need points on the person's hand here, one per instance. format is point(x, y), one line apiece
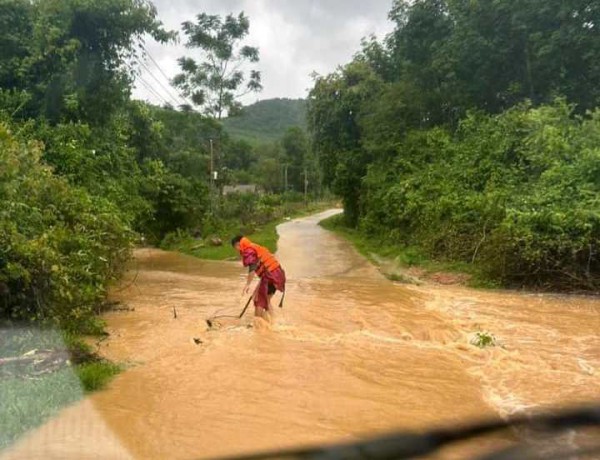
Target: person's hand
point(246, 289)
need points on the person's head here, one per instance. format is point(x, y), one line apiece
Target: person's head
point(235, 242)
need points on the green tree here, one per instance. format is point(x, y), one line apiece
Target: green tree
point(60, 246)
point(186, 141)
point(492, 55)
point(239, 155)
point(71, 55)
point(268, 170)
point(295, 149)
point(213, 83)
point(335, 112)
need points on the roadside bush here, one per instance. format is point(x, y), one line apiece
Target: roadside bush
point(60, 247)
point(97, 159)
point(238, 206)
point(176, 202)
point(249, 209)
point(516, 193)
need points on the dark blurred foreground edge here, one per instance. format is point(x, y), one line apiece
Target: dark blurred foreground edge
point(416, 445)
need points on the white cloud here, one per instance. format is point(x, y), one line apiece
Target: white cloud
point(295, 37)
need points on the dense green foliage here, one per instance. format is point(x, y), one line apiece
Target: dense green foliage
point(450, 137)
point(267, 121)
point(70, 185)
point(60, 245)
point(517, 192)
point(459, 54)
point(70, 55)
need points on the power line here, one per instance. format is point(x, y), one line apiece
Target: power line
point(165, 76)
point(156, 64)
point(167, 91)
point(152, 91)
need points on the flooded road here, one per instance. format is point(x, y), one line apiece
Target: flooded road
point(351, 355)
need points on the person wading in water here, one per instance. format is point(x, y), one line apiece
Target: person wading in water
point(261, 263)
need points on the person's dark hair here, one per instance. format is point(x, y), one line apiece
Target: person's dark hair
point(236, 239)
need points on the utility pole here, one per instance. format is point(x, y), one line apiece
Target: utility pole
point(212, 176)
point(285, 175)
point(212, 165)
point(305, 186)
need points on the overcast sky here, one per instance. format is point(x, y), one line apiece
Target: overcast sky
point(295, 37)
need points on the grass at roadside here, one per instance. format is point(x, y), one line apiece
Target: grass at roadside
point(95, 375)
point(396, 260)
point(32, 393)
point(265, 235)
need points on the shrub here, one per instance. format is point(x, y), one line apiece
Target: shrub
point(60, 246)
point(516, 193)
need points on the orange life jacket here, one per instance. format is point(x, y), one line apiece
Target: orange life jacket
point(267, 261)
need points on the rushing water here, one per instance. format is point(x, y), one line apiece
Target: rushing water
point(350, 355)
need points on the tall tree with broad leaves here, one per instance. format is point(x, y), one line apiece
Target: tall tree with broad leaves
point(217, 81)
point(336, 114)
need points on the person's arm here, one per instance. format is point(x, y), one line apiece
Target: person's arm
point(251, 276)
point(250, 260)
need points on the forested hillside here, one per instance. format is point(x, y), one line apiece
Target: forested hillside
point(267, 120)
point(471, 134)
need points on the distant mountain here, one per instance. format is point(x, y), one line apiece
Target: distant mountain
point(267, 120)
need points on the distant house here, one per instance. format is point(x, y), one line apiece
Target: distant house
point(229, 189)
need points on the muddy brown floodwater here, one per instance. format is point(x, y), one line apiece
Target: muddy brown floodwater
point(351, 355)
